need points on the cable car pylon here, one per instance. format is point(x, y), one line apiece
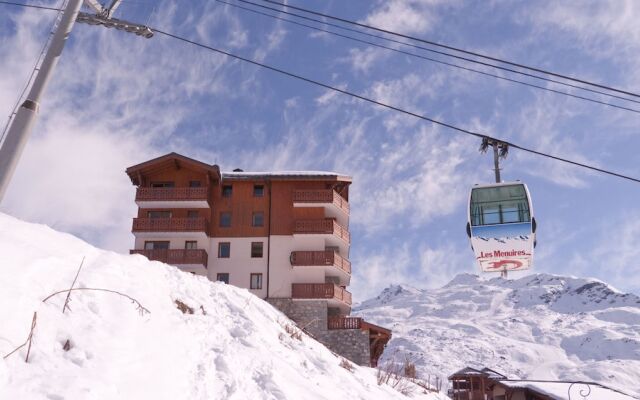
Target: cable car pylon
point(501, 226)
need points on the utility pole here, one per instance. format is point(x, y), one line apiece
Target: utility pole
point(20, 128)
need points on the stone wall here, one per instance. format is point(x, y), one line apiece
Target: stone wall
point(352, 344)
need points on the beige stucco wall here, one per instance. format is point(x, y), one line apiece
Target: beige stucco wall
point(239, 265)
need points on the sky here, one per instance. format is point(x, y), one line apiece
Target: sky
point(116, 100)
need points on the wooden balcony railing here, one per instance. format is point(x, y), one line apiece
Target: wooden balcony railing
point(172, 193)
point(321, 196)
point(320, 258)
point(326, 225)
point(169, 225)
point(344, 323)
point(320, 291)
point(176, 256)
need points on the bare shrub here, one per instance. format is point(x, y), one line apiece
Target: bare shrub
point(141, 309)
point(344, 363)
point(28, 341)
point(293, 331)
point(183, 307)
point(399, 375)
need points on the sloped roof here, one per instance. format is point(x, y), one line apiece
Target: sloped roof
point(166, 161)
point(559, 390)
point(286, 175)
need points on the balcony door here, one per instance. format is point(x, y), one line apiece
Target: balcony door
point(159, 214)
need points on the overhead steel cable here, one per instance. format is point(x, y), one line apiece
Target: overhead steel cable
point(372, 101)
point(391, 107)
point(423, 57)
point(11, 3)
point(432, 59)
point(443, 53)
point(475, 54)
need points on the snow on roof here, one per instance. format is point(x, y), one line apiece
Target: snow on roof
point(283, 175)
point(560, 390)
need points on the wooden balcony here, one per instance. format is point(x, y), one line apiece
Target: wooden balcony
point(176, 256)
point(320, 258)
point(320, 291)
point(157, 225)
point(322, 226)
point(344, 323)
point(173, 197)
point(326, 196)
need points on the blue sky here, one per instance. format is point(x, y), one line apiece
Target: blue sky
point(116, 100)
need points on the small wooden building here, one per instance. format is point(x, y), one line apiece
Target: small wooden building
point(486, 384)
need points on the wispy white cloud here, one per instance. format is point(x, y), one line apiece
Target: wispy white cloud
point(405, 16)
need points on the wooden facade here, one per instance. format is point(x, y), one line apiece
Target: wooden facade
point(191, 213)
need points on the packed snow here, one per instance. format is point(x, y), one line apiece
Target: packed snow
point(233, 346)
point(541, 326)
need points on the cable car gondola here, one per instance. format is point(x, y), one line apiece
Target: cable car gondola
point(501, 226)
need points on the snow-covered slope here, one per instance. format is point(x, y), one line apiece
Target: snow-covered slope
point(234, 346)
point(539, 327)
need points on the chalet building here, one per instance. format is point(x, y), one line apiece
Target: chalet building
point(486, 384)
point(282, 235)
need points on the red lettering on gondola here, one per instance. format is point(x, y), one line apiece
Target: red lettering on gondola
point(504, 263)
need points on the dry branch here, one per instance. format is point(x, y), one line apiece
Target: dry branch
point(28, 341)
point(139, 306)
point(66, 301)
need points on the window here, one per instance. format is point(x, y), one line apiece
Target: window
point(257, 219)
point(256, 281)
point(499, 205)
point(159, 214)
point(193, 214)
point(190, 244)
point(225, 219)
point(256, 249)
point(227, 190)
point(258, 190)
point(162, 184)
point(194, 184)
point(224, 250)
point(155, 245)
point(223, 277)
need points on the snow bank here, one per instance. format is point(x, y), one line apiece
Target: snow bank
point(234, 346)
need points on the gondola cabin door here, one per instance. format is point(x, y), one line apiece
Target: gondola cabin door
point(501, 226)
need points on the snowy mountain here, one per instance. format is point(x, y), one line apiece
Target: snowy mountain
point(227, 344)
point(539, 327)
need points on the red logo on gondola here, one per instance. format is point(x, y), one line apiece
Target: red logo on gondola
point(505, 263)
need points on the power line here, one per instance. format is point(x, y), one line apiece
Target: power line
point(433, 60)
point(388, 106)
point(443, 53)
point(344, 20)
